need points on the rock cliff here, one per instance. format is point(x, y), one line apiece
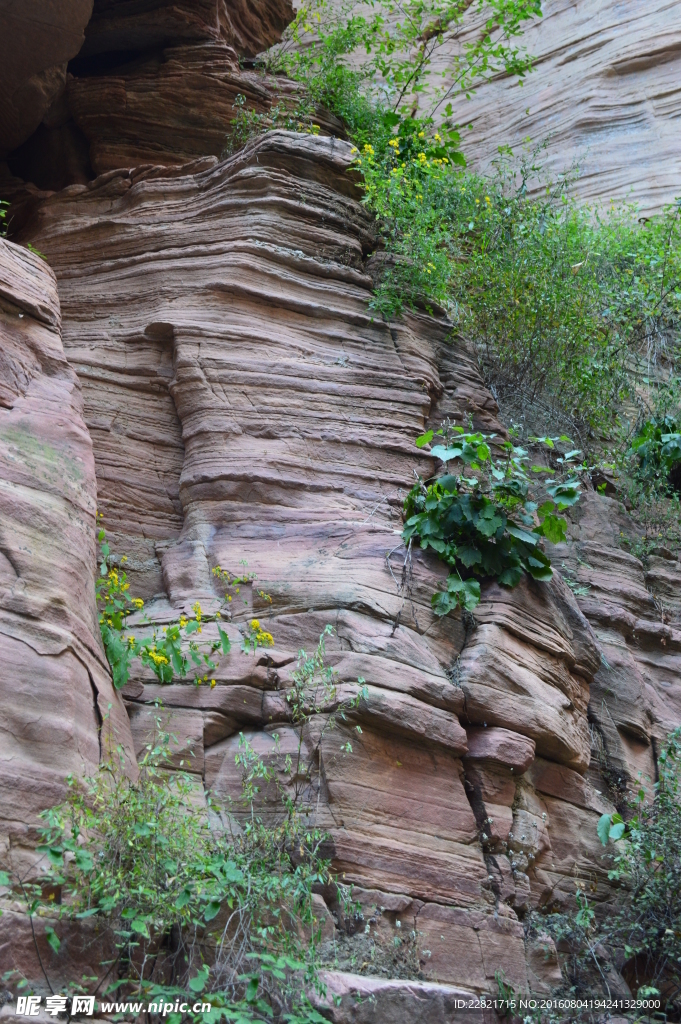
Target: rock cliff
point(58, 710)
point(201, 363)
point(605, 96)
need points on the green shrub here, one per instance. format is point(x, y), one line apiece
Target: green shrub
point(481, 521)
point(637, 930)
point(192, 898)
point(646, 921)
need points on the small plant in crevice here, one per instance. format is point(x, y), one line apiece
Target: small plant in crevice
point(295, 116)
point(178, 648)
point(481, 519)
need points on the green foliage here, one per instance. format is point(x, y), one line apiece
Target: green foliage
point(194, 898)
point(297, 115)
point(558, 299)
point(481, 520)
point(647, 920)
point(171, 651)
point(657, 446)
point(562, 301)
point(4, 209)
point(188, 905)
point(391, 46)
point(637, 930)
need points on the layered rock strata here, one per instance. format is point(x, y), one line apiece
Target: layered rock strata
point(58, 711)
point(245, 404)
point(137, 90)
point(604, 96)
point(635, 699)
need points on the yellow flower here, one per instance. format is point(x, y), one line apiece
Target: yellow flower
point(477, 201)
point(183, 622)
point(255, 624)
point(438, 137)
point(229, 598)
point(487, 199)
point(196, 608)
point(138, 602)
point(422, 135)
point(213, 683)
point(368, 149)
point(395, 144)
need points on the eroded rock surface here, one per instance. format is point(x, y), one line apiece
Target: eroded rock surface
point(39, 38)
point(58, 711)
point(245, 404)
point(605, 94)
point(242, 404)
point(635, 699)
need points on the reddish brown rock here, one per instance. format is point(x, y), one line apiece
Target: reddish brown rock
point(155, 113)
point(39, 38)
point(59, 713)
point(605, 94)
point(502, 746)
point(244, 404)
point(124, 25)
point(357, 999)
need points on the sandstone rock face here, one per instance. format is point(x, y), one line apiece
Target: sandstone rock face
point(137, 89)
point(244, 404)
point(240, 405)
point(58, 712)
point(127, 25)
point(635, 698)
point(605, 93)
point(39, 38)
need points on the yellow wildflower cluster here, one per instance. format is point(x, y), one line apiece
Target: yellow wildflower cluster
point(262, 637)
point(137, 602)
point(395, 143)
point(156, 657)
